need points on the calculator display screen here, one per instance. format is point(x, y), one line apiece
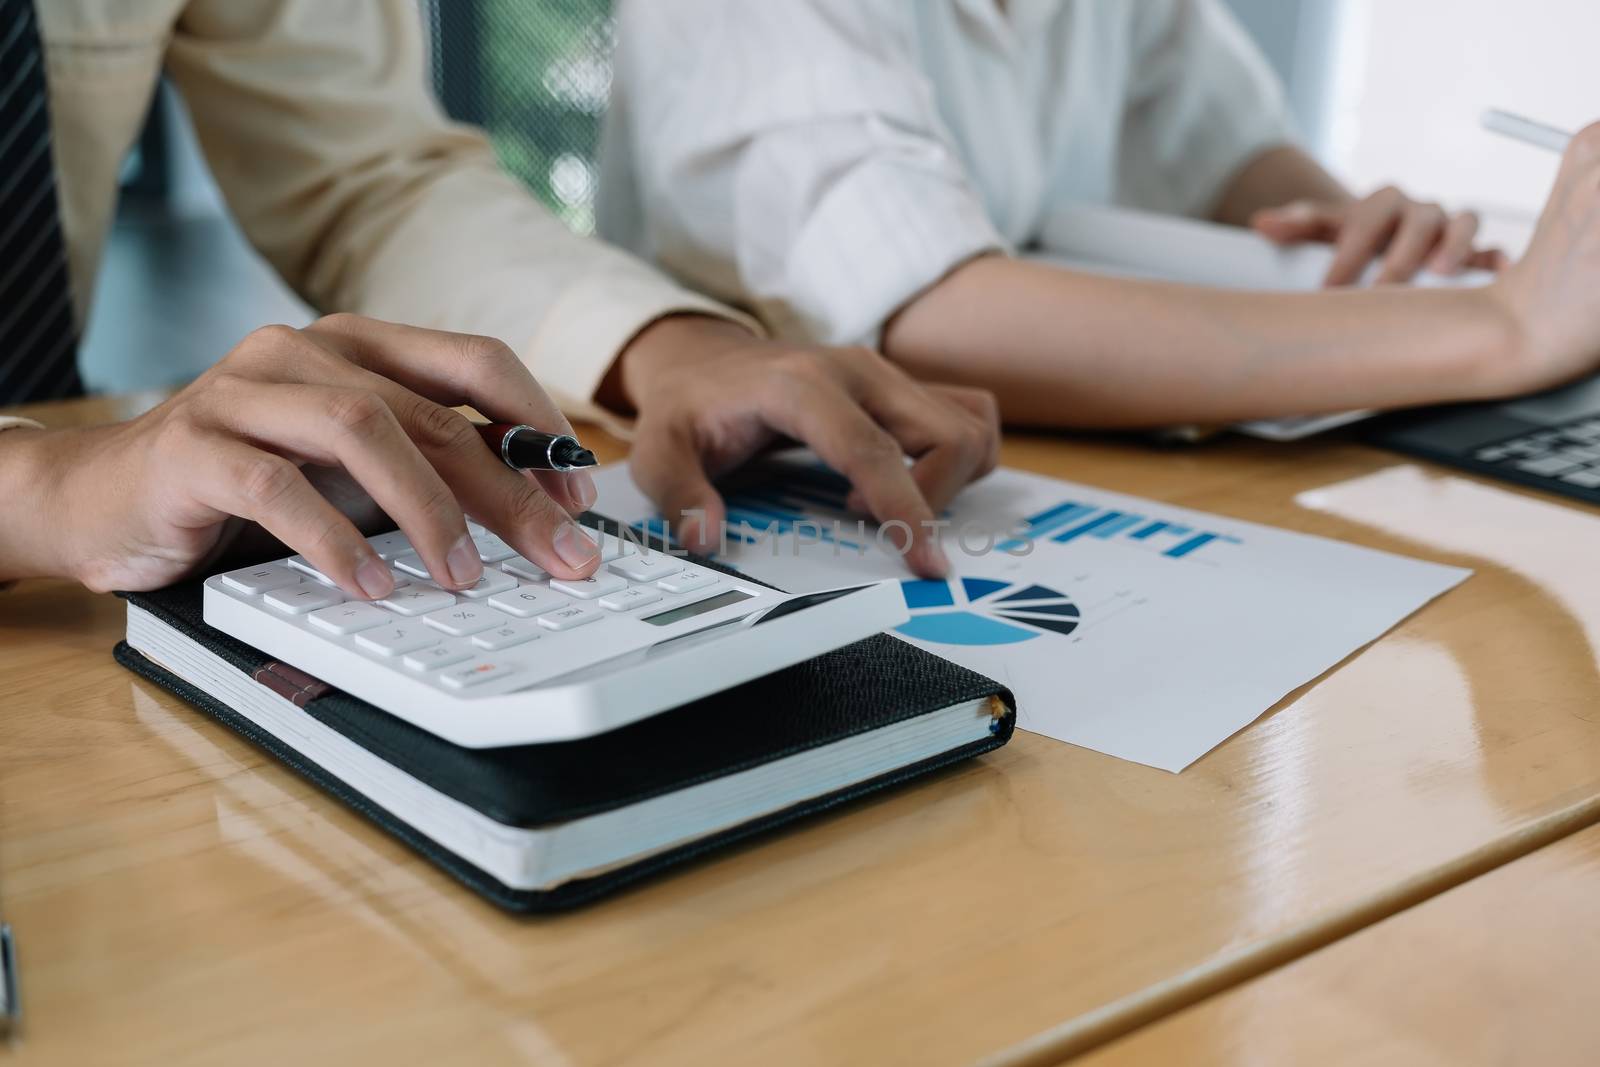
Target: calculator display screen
point(689, 611)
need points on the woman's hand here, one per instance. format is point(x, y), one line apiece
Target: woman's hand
point(1550, 295)
point(139, 504)
point(1408, 236)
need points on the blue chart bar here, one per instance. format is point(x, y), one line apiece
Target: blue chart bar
point(1056, 517)
point(1094, 524)
point(1106, 532)
point(1197, 542)
point(1156, 527)
point(756, 515)
point(1047, 520)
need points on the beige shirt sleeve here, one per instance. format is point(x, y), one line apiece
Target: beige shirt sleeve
point(316, 119)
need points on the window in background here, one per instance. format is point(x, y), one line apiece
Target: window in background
point(537, 76)
point(1412, 78)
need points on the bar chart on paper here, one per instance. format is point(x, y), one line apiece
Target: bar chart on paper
point(1128, 626)
point(1066, 522)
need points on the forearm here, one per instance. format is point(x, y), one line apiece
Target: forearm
point(1274, 178)
point(29, 546)
point(1060, 348)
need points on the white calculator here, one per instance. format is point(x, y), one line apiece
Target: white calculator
point(522, 657)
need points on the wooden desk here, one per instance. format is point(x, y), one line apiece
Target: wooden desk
point(179, 898)
point(1501, 970)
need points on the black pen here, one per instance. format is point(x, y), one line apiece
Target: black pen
point(525, 449)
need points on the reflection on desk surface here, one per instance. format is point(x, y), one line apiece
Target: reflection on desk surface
point(179, 896)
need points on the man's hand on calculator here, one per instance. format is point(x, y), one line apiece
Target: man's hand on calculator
point(142, 503)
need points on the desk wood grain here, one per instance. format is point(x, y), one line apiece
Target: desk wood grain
point(1501, 970)
point(179, 898)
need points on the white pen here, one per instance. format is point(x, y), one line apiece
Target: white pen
point(1535, 133)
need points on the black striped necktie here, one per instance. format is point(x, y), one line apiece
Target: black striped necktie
point(38, 340)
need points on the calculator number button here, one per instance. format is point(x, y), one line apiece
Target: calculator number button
point(463, 619)
point(491, 583)
point(436, 656)
point(303, 598)
point(628, 599)
point(512, 633)
point(412, 564)
point(474, 673)
point(568, 618)
point(688, 581)
point(611, 546)
point(525, 601)
point(349, 618)
point(262, 579)
point(589, 588)
point(491, 549)
point(396, 639)
point(417, 600)
point(647, 568)
point(390, 545)
point(523, 569)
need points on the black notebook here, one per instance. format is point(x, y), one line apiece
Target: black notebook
point(547, 827)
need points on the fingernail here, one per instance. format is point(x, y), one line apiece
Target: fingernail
point(583, 489)
point(463, 563)
point(574, 547)
point(937, 559)
point(374, 578)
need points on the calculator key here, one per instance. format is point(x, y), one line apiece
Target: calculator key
point(262, 579)
point(688, 581)
point(349, 618)
point(412, 564)
point(396, 639)
point(302, 598)
point(639, 567)
point(611, 546)
point(523, 569)
point(512, 633)
point(569, 617)
point(475, 673)
point(390, 545)
point(492, 582)
point(464, 619)
point(628, 599)
point(417, 600)
point(589, 588)
point(526, 601)
point(305, 566)
point(491, 549)
point(435, 656)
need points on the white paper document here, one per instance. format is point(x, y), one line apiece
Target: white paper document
point(1134, 628)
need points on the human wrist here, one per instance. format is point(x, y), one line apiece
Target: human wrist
point(1508, 360)
point(31, 534)
point(667, 345)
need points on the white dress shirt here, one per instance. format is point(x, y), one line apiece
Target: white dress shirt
point(821, 162)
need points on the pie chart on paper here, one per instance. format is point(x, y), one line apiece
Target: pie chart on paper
point(984, 611)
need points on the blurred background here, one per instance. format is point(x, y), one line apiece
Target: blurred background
point(1383, 92)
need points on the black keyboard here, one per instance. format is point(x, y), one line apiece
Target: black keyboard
point(1567, 455)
